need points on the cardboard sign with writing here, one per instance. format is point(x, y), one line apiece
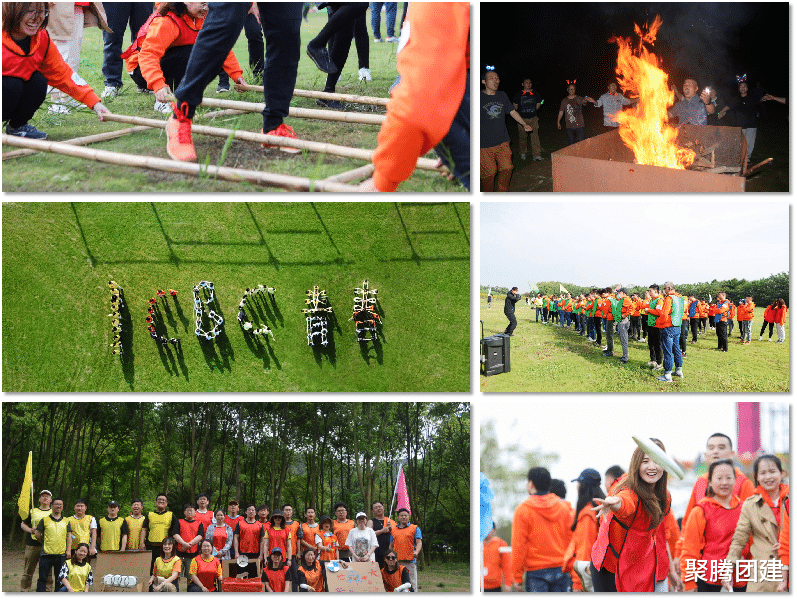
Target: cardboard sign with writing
point(357, 577)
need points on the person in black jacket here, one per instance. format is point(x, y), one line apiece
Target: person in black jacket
point(509, 309)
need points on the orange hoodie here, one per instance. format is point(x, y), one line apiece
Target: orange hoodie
point(584, 537)
point(45, 58)
point(498, 562)
point(663, 314)
point(745, 311)
point(540, 534)
point(434, 67)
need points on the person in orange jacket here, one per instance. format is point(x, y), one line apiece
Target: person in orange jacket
point(783, 550)
point(780, 320)
point(540, 535)
point(712, 310)
point(158, 61)
point(31, 62)
point(745, 318)
point(703, 308)
point(636, 331)
point(643, 314)
point(497, 563)
point(622, 307)
point(427, 112)
point(585, 530)
point(708, 532)
point(721, 309)
point(768, 320)
point(731, 316)
point(684, 327)
point(668, 321)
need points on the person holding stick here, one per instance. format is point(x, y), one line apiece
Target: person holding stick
point(31, 62)
point(281, 22)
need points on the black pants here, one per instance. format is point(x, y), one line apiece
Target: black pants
point(173, 66)
point(598, 329)
point(703, 586)
point(644, 326)
point(119, 15)
point(363, 42)
point(254, 43)
point(46, 563)
point(280, 21)
point(495, 589)
point(654, 344)
point(339, 32)
point(763, 327)
point(694, 324)
point(602, 580)
point(722, 336)
point(512, 323)
point(21, 99)
point(635, 328)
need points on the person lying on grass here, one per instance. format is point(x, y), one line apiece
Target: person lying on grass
point(31, 62)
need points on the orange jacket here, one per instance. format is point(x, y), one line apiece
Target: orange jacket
point(581, 543)
point(723, 311)
point(498, 562)
point(423, 105)
point(163, 33)
point(45, 58)
point(663, 314)
point(540, 534)
point(780, 315)
point(702, 307)
point(783, 536)
point(731, 311)
point(745, 311)
point(637, 304)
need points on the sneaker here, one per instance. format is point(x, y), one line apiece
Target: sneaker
point(769, 340)
point(320, 56)
point(538, 158)
point(623, 360)
point(760, 338)
point(283, 131)
point(27, 131)
point(522, 157)
point(179, 144)
point(163, 107)
point(581, 567)
point(378, 40)
point(392, 39)
point(608, 354)
point(605, 348)
point(666, 377)
point(643, 340)
point(223, 88)
point(336, 104)
point(679, 372)
point(364, 74)
point(110, 91)
point(658, 367)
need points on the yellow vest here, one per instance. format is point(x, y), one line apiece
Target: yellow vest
point(165, 568)
point(159, 525)
point(133, 531)
point(110, 533)
point(81, 530)
point(37, 515)
point(78, 574)
point(54, 538)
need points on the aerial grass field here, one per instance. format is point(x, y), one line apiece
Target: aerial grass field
point(547, 358)
point(58, 258)
point(46, 172)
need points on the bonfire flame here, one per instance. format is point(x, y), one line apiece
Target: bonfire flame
point(644, 129)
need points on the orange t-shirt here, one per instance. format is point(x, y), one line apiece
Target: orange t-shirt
point(498, 562)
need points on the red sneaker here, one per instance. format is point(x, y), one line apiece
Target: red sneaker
point(179, 144)
point(283, 131)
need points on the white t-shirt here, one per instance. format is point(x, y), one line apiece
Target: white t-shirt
point(360, 541)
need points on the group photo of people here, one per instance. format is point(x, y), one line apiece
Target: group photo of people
point(693, 510)
point(117, 509)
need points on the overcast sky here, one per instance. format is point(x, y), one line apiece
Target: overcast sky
point(631, 242)
point(597, 433)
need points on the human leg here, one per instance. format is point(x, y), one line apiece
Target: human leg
point(722, 337)
point(454, 148)
point(781, 332)
point(361, 42)
point(523, 144)
point(281, 23)
point(609, 337)
point(684, 335)
point(571, 135)
point(254, 44)
point(512, 323)
point(597, 324)
point(376, 19)
point(21, 99)
point(173, 65)
point(117, 15)
point(488, 167)
point(505, 166)
point(750, 135)
point(536, 148)
point(623, 329)
point(391, 8)
point(413, 572)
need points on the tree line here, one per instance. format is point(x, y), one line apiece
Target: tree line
point(764, 291)
point(307, 454)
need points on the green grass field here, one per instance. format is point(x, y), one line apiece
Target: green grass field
point(545, 358)
point(58, 258)
point(49, 172)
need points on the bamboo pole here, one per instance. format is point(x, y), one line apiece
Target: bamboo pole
point(82, 141)
point(363, 172)
point(228, 112)
point(302, 113)
point(173, 166)
point(427, 164)
point(323, 95)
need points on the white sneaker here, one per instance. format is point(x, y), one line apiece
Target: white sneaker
point(163, 107)
point(581, 567)
point(377, 40)
point(522, 157)
point(58, 109)
point(679, 373)
point(364, 74)
point(110, 92)
point(392, 38)
point(760, 338)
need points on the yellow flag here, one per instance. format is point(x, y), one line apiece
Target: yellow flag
point(562, 289)
point(27, 489)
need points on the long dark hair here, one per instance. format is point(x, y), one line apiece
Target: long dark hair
point(178, 8)
point(653, 497)
point(585, 495)
point(73, 560)
point(174, 548)
point(726, 461)
point(304, 562)
point(13, 12)
point(770, 457)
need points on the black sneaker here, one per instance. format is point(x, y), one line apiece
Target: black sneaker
point(27, 131)
point(330, 104)
point(223, 88)
point(320, 56)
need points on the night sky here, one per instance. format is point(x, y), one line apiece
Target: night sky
point(712, 42)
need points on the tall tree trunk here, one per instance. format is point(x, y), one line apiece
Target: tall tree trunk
point(238, 457)
point(139, 444)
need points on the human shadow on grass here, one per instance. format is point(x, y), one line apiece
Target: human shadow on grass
point(222, 341)
point(209, 352)
point(89, 255)
point(126, 336)
point(169, 314)
point(367, 347)
point(264, 352)
point(181, 315)
point(320, 352)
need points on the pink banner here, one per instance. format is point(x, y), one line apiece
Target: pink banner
point(748, 430)
point(403, 496)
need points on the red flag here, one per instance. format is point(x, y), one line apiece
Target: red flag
point(403, 496)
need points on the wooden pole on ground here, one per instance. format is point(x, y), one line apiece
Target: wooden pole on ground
point(228, 112)
point(360, 173)
point(354, 98)
point(82, 141)
point(173, 166)
point(302, 113)
point(427, 164)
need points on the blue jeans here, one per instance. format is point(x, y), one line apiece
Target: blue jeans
point(119, 14)
point(548, 580)
point(391, 8)
point(454, 148)
point(538, 312)
point(671, 348)
point(575, 134)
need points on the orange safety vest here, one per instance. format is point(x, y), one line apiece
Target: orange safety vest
point(187, 35)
